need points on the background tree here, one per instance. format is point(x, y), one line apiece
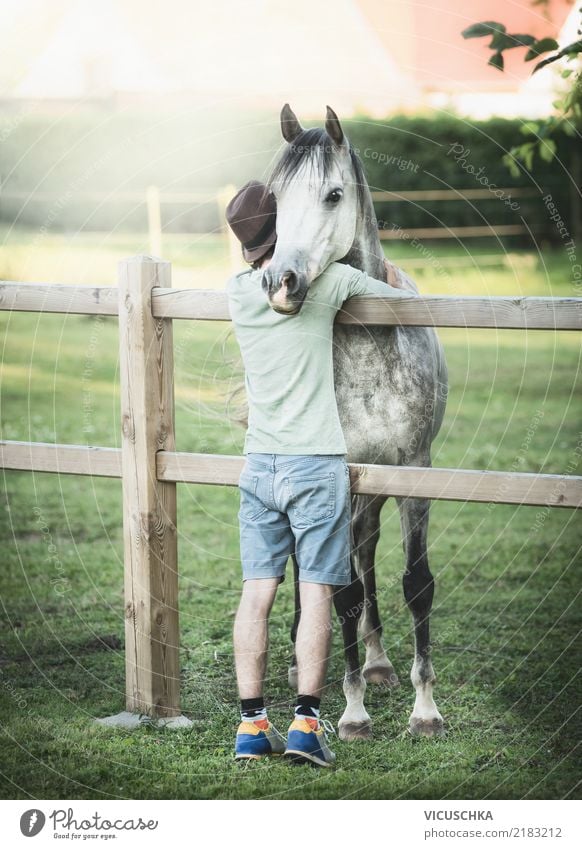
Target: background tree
point(541, 135)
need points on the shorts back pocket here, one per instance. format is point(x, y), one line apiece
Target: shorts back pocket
point(251, 506)
point(311, 498)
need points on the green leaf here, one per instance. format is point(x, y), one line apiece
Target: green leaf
point(496, 61)
point(523, 40)
point(541, 46)
point(504, 41)
point(529, 127)
point(568, 129)
point(575, 47)
point(509, 160)
point(548, 150)
point(571, 50)
point(499, 41)
point(484, 28)
point(526, 152)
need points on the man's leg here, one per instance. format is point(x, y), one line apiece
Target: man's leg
point(251, 635)
point(313, 637)
point(266, 541)
point(319, 510)
point(306, 741)
point(256, 737)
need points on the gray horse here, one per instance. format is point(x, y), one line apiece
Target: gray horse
point(391, 387)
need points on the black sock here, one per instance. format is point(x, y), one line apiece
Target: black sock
point(251, 709)
point(307, 706)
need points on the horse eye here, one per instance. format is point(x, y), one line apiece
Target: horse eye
point(334, 197)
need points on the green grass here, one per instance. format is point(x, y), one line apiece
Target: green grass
point(506, 616)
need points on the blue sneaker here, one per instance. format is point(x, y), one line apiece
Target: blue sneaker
point(255, 740)
point(307, 742)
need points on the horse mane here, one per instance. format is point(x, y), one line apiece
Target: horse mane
point(317, 148)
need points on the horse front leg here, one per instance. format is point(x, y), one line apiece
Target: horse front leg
point(292, 671)
point(355, 723)
point(418, 585)
point(377, 668)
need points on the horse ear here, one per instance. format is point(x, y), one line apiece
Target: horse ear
point(333, 128)
point(290, 126)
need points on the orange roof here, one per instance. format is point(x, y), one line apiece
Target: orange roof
point(425, 38)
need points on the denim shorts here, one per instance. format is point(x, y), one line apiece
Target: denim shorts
point(295, 504)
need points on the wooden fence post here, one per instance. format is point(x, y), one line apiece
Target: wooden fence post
point(149, 506)
point(154, 220)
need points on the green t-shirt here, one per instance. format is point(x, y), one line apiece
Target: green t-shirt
point(288, 361)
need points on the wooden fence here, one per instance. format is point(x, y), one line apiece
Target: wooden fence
point(150, 467)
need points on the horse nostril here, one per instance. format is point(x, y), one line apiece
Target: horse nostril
point(289, 279)
point(266, 283)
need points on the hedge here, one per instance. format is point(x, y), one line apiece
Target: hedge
point(108, 151)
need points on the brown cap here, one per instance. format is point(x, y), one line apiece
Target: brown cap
point(252, 217)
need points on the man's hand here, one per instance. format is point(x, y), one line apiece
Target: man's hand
point(393, 275)
point(396, 278)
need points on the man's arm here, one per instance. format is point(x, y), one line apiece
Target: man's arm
point(361, 283)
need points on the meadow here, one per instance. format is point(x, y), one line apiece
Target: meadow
point(506, 619)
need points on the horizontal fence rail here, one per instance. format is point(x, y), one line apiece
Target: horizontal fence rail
point(511, 313)
point(371, 479)
point(367, 479)
point(448, 194)
point(418, 310)
point(64, 459)
point(476, 231)
point(59, 298)
point(208, 197)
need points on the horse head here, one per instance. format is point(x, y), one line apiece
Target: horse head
point(317, 182)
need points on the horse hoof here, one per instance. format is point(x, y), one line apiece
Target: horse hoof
point(426, 727)
point(349, 731)
point(383, 675)
point(292, 677)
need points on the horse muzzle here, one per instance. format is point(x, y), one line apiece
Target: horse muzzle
point(285, 290)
